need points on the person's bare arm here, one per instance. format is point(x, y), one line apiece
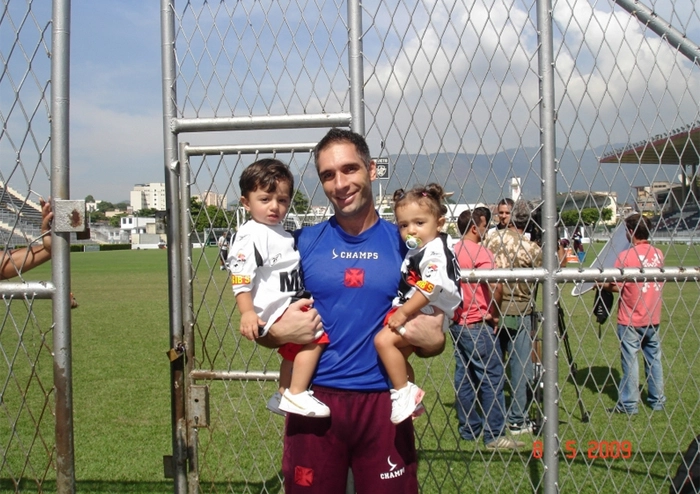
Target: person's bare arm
point(22, 260)
point(425, 333)
point(249, 319)
point(610, 287)
point(494, 314)
point(561, 255)
point(412, 306)
point(297, 325)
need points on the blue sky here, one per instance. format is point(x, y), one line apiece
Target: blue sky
point(116, 104)
point(428, 81)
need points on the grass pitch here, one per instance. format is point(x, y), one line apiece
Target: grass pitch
point(122, 394)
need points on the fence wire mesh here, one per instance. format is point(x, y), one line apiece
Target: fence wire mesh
point(451, 95)
point(27, 445)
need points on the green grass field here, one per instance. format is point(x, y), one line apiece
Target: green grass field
point(122, 394)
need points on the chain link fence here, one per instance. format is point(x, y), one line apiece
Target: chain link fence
point(463, 94)
point(452, 92)
point(36, 441)
point(26, 369)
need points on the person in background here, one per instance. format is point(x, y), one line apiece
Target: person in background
point(222, 243)
point(638, 319)
point(479, 373)
point(512, 250)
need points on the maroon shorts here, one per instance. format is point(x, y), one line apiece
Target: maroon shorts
point(357, 435)
point(289, 351)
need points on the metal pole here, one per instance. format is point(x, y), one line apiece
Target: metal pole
point(357, 103)
point(188, 319)
point(550, 340)
point(177, 392)
point(663, 28)
point(306, 121)
point(60, 247)
point(356, 71)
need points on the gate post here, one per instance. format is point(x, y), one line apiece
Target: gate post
point(550, 342)
point(177, 381)
point(60, 266)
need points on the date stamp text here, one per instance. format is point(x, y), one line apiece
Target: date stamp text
point(593, 450)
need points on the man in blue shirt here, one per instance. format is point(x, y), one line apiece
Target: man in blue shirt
point(351, 265)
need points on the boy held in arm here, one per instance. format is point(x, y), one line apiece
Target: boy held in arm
point(265, 274)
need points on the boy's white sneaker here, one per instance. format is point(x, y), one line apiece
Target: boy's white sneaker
point(304, 404)
point(273, 404)
point(404, 402)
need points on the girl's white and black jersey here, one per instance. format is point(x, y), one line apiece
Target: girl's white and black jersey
point(433, 270)
point(263, 260)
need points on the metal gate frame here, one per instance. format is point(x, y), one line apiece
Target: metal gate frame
point(176, 160)
point(176, 157)
point(58, 288)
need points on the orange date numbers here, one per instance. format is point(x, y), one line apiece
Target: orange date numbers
point(595, 450)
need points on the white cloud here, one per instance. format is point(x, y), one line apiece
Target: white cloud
point(111, 150)
point(472, 86)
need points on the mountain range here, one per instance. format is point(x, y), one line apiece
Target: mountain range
point(483, 178)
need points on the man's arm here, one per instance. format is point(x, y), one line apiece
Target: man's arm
point(425, 333)
point(299, 324)
point(494, 308)
point(610, 287)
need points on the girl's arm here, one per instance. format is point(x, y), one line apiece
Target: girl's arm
point(404, 312)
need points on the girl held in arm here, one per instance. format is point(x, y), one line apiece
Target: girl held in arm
point(429, 278)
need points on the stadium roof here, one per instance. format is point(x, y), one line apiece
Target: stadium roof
point(678, 147)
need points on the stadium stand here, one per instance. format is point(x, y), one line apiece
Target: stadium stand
point(683, 221)
point(20, 218)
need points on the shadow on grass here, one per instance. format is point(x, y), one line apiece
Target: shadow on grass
point(121, 486)
point(599, 380)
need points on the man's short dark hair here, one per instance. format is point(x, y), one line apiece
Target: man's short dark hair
point(506, 201)
point(336, 135)
point(639, 226)
point(467, 218)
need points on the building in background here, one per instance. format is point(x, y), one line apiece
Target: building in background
point(148, 196)
point(210, 198)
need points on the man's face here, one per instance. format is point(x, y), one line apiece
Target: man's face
point(346, 180)
point(503, 215)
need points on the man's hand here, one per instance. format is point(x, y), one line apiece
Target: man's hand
point(492, 321)
point(299, 324)
point(425, 333)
